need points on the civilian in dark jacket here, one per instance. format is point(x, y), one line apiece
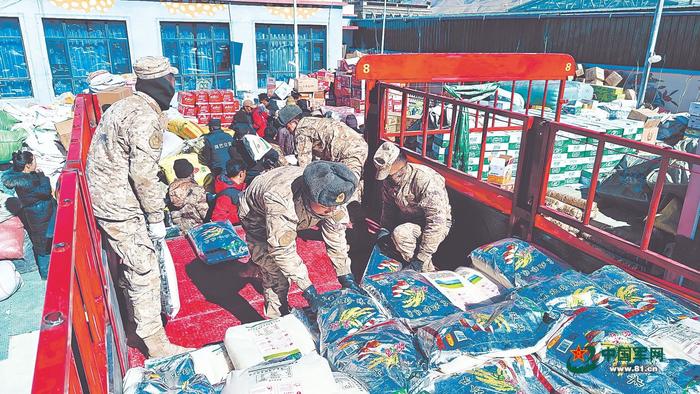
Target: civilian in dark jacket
point(217, 143)
point(244, 115)
point(239, 153)
point(228, 188)
point(37, 205)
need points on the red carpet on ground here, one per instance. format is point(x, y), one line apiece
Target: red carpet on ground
point(214, 298)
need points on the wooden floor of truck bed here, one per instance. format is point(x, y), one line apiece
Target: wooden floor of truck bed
point(217, 297)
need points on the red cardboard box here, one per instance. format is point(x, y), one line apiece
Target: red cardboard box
point(202, 96)
point(229, 108)
point(226, 119)
point(216, 108)
point(358, 105)
point(186, 98)
point(203, 109)
point(187, 110)
point(203, 118)
point(217, 116)
point(216, 97)
point(228, 96)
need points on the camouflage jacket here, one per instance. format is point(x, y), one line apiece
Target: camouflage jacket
point(331, 140)
point(122, 164)
point(272, 209)
point(419, 197)
point(188, 201)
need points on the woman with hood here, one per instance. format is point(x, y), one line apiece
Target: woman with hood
point(37, 206)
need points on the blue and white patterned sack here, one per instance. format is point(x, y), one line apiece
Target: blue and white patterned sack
point(379, 263)
point(407, 295)
point(506, 375)
point(174, 375)
point(648, 309)
point(595, 344)
point(516, 327)
point(345, 312)
point(383, 357)
point(565, 292)
point(515, 263)
point(216, 242)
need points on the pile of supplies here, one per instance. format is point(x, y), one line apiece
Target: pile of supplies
point(203, 105)
point(518, 320)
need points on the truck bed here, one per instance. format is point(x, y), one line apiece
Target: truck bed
point(216, 297)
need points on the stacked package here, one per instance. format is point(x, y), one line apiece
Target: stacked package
point(312, 90)
point(349, 91)
point(205, 105)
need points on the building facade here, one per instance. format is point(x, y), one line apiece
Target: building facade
point(49, 47)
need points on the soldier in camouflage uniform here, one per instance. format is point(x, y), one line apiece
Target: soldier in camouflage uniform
point(127, 196)
point(416, 211)
point(283, 201)
point(325, 138)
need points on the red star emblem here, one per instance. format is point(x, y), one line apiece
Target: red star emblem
point(579, 353)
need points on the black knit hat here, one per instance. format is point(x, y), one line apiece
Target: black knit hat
point(183, 168)
point(215, 124)
point(329, 184)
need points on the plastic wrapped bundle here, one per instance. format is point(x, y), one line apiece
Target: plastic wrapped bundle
point(216, 242)
point(383, 357)
point(516, 327)
point(515, 263)
point(309, 375)
point(344, 313)
point(597, 346)
point(379, 263)
point(567, 291)
point(407, 295)
point(280, 339)
point(650, 309)
point(172, 375)
point(680, 340)
point(507, 375)
point(348, 385)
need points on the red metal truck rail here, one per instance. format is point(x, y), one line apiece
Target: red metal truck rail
point(80, 343)
point(411, 77)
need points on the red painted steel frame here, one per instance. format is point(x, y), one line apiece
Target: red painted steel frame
point(381, 70)
point(77, 313)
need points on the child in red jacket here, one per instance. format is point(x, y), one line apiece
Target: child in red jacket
point(228, 188)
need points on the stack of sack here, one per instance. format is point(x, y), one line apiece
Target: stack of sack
point(518, 320)
point(103, 80)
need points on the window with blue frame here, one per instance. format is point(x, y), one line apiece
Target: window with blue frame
point(78, 47)
point(201, 52)
point(275, 51)
point(14, 73)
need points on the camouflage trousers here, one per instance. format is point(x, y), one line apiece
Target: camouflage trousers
point(140, 271)
point(406, 238)
point(276, 277)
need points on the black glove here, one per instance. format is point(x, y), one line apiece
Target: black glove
point(415, 265)
point(311, 295)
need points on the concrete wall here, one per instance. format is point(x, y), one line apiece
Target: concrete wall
point(143, 26)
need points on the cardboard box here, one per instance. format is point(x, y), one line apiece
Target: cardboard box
point(229, 96)
point(203, 118)
point(187, 110)
point(283, 91)
point(651, 118)
point(613, 79)
point(202, 97)
point(216, 96)
point(500, 170)
point(595, 74)
point(579, 70)
point(186, 98)
point(630, 94)
point(64, 130)
point(649, 134)
point(306, 85)
point(606, 94)
point(112, 96)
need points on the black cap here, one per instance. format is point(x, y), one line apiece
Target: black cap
point(214, 124)
point(329, 184)
point(183, 168)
